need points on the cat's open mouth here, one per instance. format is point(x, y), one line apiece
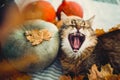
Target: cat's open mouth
point(76, 40)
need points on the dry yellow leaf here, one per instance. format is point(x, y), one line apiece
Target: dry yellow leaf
point(17, 76)
point(80, 77)
point(107, 70)
point(46, 34)
point(99, 32)
point(64, 77)
point(94, 73)
point(106, 73)
point(38, 36)
point(114, 28)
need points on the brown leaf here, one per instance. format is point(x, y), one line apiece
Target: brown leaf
point(94, 73)
point(99, 32)
point(16, 76)
point(34, 36)
point(80, 77)
point(106, 73)
point(114, 28)
point(20, 76)
point(37, 36)
point(113, 77)
point(46, 34)
point(107, 70)
point(64, 77)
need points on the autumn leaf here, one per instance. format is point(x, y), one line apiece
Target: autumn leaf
point(114, 28)
point(46, 34)
point(94, 73)
point(20, 76)
point(64, 77)
point(38, 36)
point(106, 73)
point(17, 76)
point(107, 70)
point(80, 77)
point(99, 32)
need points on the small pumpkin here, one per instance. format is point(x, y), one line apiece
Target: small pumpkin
point(34, 37)
point(70, 8)
point(39, 10)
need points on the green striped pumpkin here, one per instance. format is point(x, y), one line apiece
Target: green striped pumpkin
point(16, 45)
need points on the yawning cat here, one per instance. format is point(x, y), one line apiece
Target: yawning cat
point(80, 48)
point(78, 41)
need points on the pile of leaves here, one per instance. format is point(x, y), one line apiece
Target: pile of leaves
point(100, 32)
point(106, 73)
point(17, 76)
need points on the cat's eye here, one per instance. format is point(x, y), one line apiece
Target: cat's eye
point(73, 22)
point(83, 24)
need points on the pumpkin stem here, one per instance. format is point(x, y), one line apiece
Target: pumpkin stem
point(63, 0)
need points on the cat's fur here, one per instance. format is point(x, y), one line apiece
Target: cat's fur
point(72, 62)
point(92, 51)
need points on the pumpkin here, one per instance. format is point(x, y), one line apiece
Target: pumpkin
point(70, 8)
point(39, 10)
point(37, 39)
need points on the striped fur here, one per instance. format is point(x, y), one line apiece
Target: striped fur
point(72, 62)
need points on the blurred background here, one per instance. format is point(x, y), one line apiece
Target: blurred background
point(106, 11)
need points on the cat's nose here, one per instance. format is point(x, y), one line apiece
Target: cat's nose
point(78, 27)
point(78, 31)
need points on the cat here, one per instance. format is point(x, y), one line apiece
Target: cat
point(81, 48)
point(78, 41)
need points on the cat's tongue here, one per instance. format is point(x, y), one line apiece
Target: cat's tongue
point(76, 43)
point(76, 40)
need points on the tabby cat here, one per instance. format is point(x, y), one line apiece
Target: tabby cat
point(80, 48)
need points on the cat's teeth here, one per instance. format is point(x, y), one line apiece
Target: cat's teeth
point(75, 50)
point(74, 34)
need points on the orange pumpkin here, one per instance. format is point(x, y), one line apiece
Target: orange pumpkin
point(70, 8)
point(40, 10)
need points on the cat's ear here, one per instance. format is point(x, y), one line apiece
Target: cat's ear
point(91, 19)
point(63, 16)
